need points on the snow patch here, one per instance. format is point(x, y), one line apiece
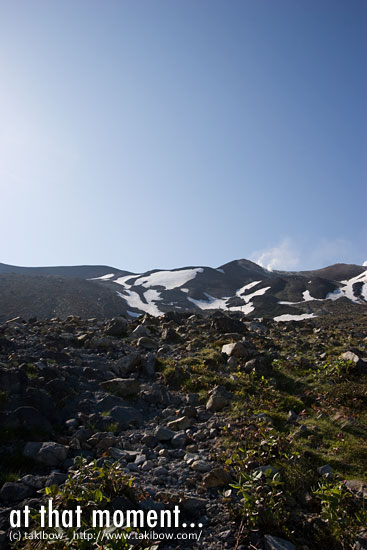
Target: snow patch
point(123, 280)
point(288, 317)
point(249, 297)
point(220, 303)
point(103, 278)
point(347, 289)
point(306, 298)
point(169, 279)
point(210, 303)
point(243, 289)
point(134, 300)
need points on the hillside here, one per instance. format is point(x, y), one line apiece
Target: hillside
point(255, 430)
point(240, 286)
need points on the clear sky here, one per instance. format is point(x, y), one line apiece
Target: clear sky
point(156, 134)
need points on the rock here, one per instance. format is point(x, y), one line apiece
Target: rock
point(117, 327)
point(189, 458)
point(122, 387)
point(216, 403)
point(192, 399)
point(179, 424)
point(149, 440)
point(257, 326)
point(148, 363)
point(218, 477)
point(50, 453)
point(292, 417)
point(103, 440)
point(350, 356)
point(35, 482)
point(140, 459)
point(193, 505)
point(56, 478)
point(122, 454)
point(170, 336)
point(100, 343)
point(224, 324)
point(200, 466)
point(146, 343)
point(325, 471)
point(140, 331)
point(164, 453)
point(219, 398)
point(72, 423)
point(160, 471)
point(163, 434)
point(189, 411)
point(126, 365)
point(157, 394)
point(126, 416)
point(12, 492)
point(357, 487)
point(257, 365)
point(178, 441)
point(232, 362)
point(147, 465)
point(276, 543)
point(235, 350)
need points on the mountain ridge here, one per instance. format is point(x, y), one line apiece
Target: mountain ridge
point(239, 287)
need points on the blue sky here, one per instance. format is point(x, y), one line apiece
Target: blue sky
point(158, 134)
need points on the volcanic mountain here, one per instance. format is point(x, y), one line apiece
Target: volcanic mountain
point(240, 287)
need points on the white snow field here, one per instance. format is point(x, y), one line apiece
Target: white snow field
point(169, 279)
point(222, 303)
point(103, 278)
point(151, 296)
point(347, 289)
point(146, 301)
point(344, 291)
point(288, 317)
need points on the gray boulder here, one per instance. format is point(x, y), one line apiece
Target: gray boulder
point(163, 434)
point(13, 492)
point(126, 416)
point(146, 343)
point(126, 365)
point(219, 398)
point(179, 424)
point(117, 327)
point(235, 350)
point(50, 453)
point(218, 477)
point(122, 387)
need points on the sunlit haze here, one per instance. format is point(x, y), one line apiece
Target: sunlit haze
point(162, 134)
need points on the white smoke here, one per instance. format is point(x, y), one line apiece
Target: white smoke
point(283, 256)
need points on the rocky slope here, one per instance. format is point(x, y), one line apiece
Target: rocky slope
point(239, 286)
point(189, 406)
